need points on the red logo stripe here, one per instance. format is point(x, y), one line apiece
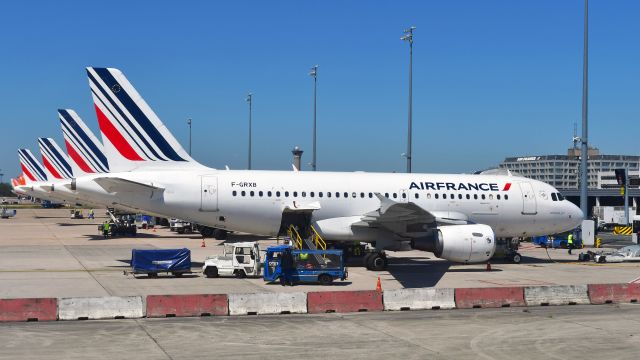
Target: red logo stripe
point(26, 172)
point(52, 170)
point(115, 137)
point(77, 158)
point(507, 186)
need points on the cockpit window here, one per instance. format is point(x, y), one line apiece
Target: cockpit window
point(554, 197)
point(560, 197)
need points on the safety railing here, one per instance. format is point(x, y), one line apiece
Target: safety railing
point(294, 235)
point(317, 239)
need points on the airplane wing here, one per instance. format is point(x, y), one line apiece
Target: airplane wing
point(115, 184)
point(408, 219)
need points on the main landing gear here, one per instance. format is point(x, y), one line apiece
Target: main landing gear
point(376, 261)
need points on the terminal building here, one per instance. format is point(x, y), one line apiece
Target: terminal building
point(563, 172)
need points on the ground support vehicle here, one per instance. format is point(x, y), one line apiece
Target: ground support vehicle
point(626, 254)
point(76, 214)
point(556, 242)
point(291, 266)
point(7, 213)
point(238, 259)
point(153, 262)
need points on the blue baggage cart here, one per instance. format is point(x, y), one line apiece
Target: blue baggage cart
point(153, 262)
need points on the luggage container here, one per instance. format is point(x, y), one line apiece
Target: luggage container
point(152, 262)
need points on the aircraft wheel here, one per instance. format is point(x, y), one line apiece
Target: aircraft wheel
point(516, 258)
point(377, 262)
point(365, 260)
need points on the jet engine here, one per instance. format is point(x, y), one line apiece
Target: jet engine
point(459, 243)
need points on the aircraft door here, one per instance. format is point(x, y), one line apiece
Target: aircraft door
point(528, 199)
point(209, 193)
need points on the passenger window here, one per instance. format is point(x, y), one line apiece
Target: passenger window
point(436, 195)
point(260, 193)
point(498, 196)
point(404, 195)
point(346, 194)
point(483, 197)
point(269, 193)
point(361, 194)
point(395, 196)
point(320, 194)
point(295, 194)
point(416, 195)
point(234, 193)
point(506, 197)
point(304, 194)
point(475, 196)
point(386, 195)
point(286, 194)
point(277, 193)
point(328, 193)
point(312, 194)
point(243, 193)
point(468, 196)
point(453, 196)
point(353, 194)
point(429, 196)
point(337, 194)
point(460, 196)
point(444, 196)
point(553, 197)
point(490, 196)
point(252, 193)
point(370, 195)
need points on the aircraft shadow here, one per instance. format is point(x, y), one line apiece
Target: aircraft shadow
point(417, 273)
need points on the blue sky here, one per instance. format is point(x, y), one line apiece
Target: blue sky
point(491, 78)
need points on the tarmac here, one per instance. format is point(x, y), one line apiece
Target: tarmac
point(43, 253)
point(565, 332)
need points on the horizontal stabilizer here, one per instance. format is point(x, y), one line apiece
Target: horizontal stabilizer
point(119, 185)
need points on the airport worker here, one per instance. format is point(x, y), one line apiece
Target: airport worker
point(570, 242)
point(105, 229)
point(91, 216)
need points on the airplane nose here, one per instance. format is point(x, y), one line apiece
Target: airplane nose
point(575, 214)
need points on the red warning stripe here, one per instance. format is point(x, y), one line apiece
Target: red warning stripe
point(115, 137)
point(26, 172)
point(507, 186)
point(77, 158)
point(52, 170)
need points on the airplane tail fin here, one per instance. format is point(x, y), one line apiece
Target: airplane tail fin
point(85, 151)
point(54, 159)
point(133, 135)
point(31, 167)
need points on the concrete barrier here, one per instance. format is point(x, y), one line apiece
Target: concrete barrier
point(187, 305)
point(35, 309)
point(344, 301)
point(109, 307)
point(556, 295)
point(418, 299)
point(267, 303)
point(489, 297)
point(614, 293)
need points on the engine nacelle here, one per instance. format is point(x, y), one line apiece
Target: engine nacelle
point(459, 243)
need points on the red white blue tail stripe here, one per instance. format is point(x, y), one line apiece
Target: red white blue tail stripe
point(83, 147)
point(54, 159)
point(128, 122)
point(31, 167)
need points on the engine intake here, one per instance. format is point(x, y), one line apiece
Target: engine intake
point(459, 243)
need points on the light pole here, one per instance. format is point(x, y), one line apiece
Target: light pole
point(249, 99)
point(314, 74)
point(189, 123)
point(408, 36)
point(584, 182)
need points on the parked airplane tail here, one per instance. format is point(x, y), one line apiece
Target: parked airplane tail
point(31, 167)
point(133, 135)
point(85, 151)
point(55, 161)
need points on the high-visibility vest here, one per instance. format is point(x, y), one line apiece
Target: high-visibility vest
point(570, 239)
point(304, 256)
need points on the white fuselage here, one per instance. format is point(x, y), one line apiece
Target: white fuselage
point(253, 201)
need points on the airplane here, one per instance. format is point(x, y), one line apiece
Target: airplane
point(34, 176)
point(457, 217)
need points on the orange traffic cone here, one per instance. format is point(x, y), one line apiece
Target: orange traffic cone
point(488, 266)
point(203, 244)
point(379, 285)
